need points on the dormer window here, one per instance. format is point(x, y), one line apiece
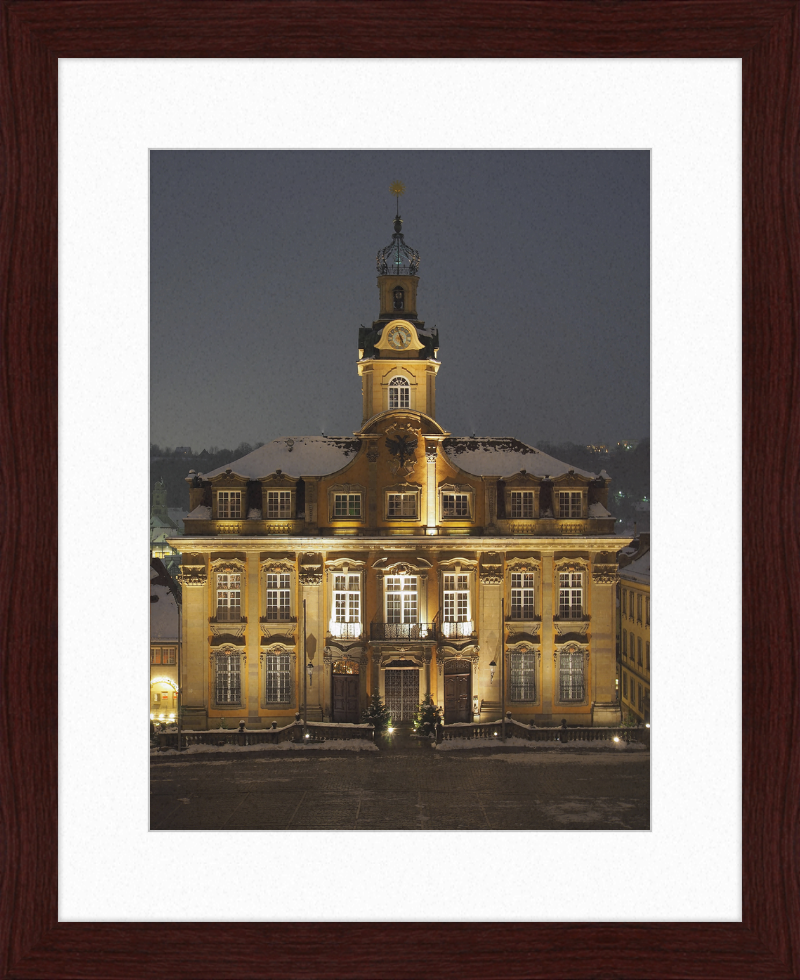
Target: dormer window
point(570, 503)
point(398, 298)
point(229, 503)
point(399, 393)
point(279, 504)
point(521, 502)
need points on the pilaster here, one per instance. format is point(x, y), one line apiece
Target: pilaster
point(252, 634)
point(548, 646)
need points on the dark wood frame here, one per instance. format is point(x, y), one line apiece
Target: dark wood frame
point(765, 36)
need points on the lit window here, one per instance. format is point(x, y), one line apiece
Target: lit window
point(155, 655)
point(278, 605)
point(278, 678)
point(569, 503)
point(347, 505)
point(229, 597)
point(401, 505)
point(168, 655)
point(399, 393)
point(228, 678)
point(521, 503)
point(279, 504)
point(570, 595)
point(456, 621)
point(522, 595)
point(571, 675)
point(229, 503)
point(156, 697)
point(346, 602)
point(523, 675)
point(455, 505)
point(401, 599)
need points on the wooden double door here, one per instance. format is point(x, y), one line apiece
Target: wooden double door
point(402, 693)
point(345, 698)
point(457, 691)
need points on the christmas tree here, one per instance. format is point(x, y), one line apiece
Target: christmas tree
point(427, 717)
point(377, 714)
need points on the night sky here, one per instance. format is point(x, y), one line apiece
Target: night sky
point(534, 267)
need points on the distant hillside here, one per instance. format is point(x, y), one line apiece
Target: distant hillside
point(174, 469)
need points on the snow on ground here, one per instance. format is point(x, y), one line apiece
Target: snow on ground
point(522, 743)
point(345, 745)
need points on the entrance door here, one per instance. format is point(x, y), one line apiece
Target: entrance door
point(457, 692)
point(402, 693)
point(345, 691)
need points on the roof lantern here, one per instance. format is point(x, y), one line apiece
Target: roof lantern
point(398, 259)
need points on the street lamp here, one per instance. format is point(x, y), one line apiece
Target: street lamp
point(310, 669)
point(492, 666)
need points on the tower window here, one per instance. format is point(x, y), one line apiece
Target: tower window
point(399, 393)
point(399, 299)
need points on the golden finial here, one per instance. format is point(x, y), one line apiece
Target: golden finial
point(397, 187)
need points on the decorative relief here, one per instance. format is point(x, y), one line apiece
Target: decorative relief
point(234, 565)
point(605, 574)
point(571, 528)
point(310, 570)
point(401, 441)
point(570, 564)
point(523, 565)
point(228, 651)
point(516, 626)
point(229, 629)
point(491, 574)
point(476, 662)
point(273, 566)
point(192, 575)
point(373, 455)
point(226, 528)
point(431, 452)
point(567, 626)
point(285, 629)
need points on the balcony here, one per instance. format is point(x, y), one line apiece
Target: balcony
point(228, 614)
point(454, 630)
point(345, 631)
point(402, 631)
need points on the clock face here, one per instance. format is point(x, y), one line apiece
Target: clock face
point(399, 337)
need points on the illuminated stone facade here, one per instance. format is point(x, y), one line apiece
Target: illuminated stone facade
point(419, 558)
point(634, 628)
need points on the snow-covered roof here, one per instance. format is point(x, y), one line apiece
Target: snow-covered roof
point(504, 456)
point(163, 612)
point(295, 456)
point(598, 510)
point(638, 570)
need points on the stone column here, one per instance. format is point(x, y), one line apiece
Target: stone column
point(430, 477)
point(489, 628)
point(194, 642)
point(603, 668)
point(426, 672)
point(252, 577)
point(549, 675)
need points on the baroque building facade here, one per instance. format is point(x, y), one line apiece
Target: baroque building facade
point(634, 627)
point(400, 560)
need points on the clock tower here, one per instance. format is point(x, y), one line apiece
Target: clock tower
point(397, 354)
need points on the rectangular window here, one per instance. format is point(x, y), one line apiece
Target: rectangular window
point(399, 394)
point(347, 505)
point(278, 678)
point(522, 595)
point(168, 655)
point(639, 650)
point(647, 655)
point(155, 655)
point(570, 595)
point(401, 599)
point(156, 697)
point(229, 503)
point(402, 505)
point(455, 505)
point(229, 597)
point(647, 611)
point(456, 605)
point(624, 602)
point(523, 676)
point(278, 596)
point(569, 503)
point(624, 645)
point(625, 685)
point(640, 697)
point(571, 675)
point(279, 504)
point(521, 503)
point(228, 679)
point(346, 599)
point(638, 608)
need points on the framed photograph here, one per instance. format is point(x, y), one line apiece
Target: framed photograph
point(329, 941)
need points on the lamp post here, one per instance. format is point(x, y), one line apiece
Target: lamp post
point(503, 665)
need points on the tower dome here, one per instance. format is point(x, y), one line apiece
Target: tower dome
point(398, 259)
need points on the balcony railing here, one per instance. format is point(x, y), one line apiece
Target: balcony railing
point(402, 631)
point(228, 614)
point(345, 631)
point(573, 615)
point(464, 628)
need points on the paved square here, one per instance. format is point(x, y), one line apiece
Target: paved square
point(411, 787)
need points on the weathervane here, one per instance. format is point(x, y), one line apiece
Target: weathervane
point(397, 188)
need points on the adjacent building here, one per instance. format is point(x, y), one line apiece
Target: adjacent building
point(634, 629)
point(164, 643)
point(401, 560)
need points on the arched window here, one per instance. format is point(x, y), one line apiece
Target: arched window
point(523, 675)
point(399, 393)
point(571, 675)
point(399, 298)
